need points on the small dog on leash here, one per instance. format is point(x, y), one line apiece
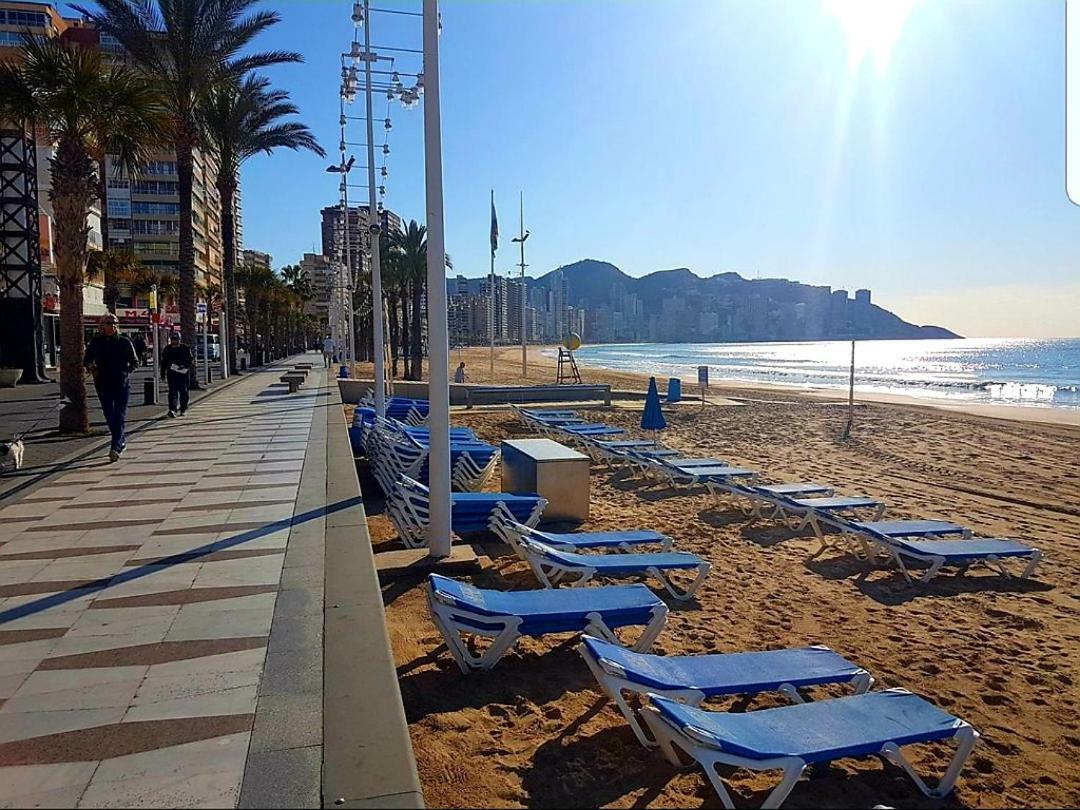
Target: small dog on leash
point(11, 454)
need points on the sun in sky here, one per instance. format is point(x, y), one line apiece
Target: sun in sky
point(871, 28)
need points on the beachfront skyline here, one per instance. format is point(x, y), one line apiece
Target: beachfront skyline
point(922, 156)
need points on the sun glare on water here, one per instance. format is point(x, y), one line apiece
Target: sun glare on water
point(871, 27)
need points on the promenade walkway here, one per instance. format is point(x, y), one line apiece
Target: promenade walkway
point(161, 617)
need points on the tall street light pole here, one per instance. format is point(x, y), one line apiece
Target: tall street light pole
point(379, 349)
point(438, 343)
point(340, 284)
point(524, 234)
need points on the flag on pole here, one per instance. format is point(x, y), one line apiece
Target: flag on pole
point(494, 226)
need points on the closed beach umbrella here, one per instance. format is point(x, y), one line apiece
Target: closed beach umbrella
point(652, 418)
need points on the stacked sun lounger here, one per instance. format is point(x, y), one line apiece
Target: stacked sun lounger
point(395, 450)
point(408, 506)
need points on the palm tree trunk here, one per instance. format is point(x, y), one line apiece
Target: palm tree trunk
point(392, 317)
point(73, 189)
point(417, 334)
point(186, 265)
point(226, 191)
point(405, 324)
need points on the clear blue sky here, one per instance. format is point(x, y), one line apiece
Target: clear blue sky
point(750, 136)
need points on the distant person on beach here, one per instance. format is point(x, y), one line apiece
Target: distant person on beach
point(459, 374)
point(328, 350)
point(176, 363)
point(110, 358)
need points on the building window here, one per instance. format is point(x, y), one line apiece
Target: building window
point(119, 208)
point(154, 187)
point(155, 208)
point(118, 182)
point(154, 227)
point(25, 19)
point(160, 167)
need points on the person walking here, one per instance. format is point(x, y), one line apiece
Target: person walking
point(327, 350)
point(176, 363)
point(140, 348)
point(110, 358)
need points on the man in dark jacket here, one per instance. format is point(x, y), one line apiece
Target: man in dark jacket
point(110, 357)
point(176, 363)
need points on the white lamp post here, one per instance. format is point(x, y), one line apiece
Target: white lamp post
point(438, 348)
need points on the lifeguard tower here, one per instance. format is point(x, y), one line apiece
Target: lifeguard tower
point(568, 371)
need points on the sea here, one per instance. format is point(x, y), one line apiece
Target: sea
point(1005, 371)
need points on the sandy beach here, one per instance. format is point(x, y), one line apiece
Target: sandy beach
point(1001, 654)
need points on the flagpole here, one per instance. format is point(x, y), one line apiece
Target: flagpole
point(524, 326)
point(491, 287)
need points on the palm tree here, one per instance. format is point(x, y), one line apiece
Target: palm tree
point(410, 246)
point(241, 121)
point(258, 284)
point(79, 99)
point(189, 47)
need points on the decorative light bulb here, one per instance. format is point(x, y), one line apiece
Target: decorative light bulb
point(383, 171)
point(387, 124)
point(389, 94)
point(386, 149)
point(358, 14)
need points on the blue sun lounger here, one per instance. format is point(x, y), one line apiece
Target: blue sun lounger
point(901, 542)
point(510, 530)
point(766, 496)
point(720, 475)
point(868, 532)
point(553, 567)
point(408, 507)
point(592, 429)
point(619, 451)
point(693, 678)
point(827, 510)
point(458, 608)
point(790, 738)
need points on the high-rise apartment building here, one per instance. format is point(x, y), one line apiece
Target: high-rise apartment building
point(256, 258)
point(142, 212)
point(320, 271)
point(333, 236)
point(44, 21)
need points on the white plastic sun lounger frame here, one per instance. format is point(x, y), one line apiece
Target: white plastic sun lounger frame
point(505, 634)
point(865, 546)
point(412, 527)
point(935, 562)
point(553, 573)
point(508, 529)
point(612, 679)
point(797, 517)
point(705, 750)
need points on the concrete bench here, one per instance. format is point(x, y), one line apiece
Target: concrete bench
point(520, 394)
point(294, 381)
point(303, 366)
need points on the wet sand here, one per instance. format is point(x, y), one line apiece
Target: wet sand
point(1001, 654)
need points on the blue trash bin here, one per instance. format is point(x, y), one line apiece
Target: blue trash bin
point(674, 389)
point(344, 373)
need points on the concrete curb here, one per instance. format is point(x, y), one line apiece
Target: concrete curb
point(367, 753)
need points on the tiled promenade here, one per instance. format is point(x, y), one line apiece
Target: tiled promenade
point(161, 617)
